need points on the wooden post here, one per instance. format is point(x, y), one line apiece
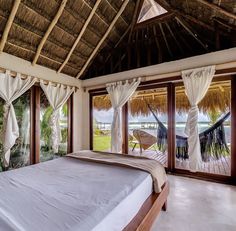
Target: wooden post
point(70, 125)
point(103, 38)
point(49, 30)
point(233, 129)
point(125, 124)
point(35, 125)
point(9, 24)
point(91, 121)
point(80, 35)
point(171, 126)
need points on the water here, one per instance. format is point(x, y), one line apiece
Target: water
point(151, 127)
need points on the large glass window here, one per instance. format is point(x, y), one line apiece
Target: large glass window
point(20, 152)
point(213, 125)
point(147, 124)
point(46, 152)
point(102, 119)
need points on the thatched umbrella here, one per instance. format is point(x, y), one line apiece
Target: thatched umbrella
point(217, 99)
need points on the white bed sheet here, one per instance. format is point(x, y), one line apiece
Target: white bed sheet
point(121, 215)
point(67, 194)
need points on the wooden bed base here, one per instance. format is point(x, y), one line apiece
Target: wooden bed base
point(149, 211)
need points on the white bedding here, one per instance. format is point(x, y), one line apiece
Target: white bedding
point(69, 194)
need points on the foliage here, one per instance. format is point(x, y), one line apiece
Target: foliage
point(64, 135)
point(46, 130)
point(214, 116)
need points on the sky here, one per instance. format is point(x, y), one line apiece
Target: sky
point(106, 117)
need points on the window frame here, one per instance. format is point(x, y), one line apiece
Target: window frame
point(171, 84)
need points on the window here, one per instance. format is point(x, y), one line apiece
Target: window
point(20, 152)
point(213, 125)
point(46, 152)
point(147, 126)
point(150, 9)
point(102, 119)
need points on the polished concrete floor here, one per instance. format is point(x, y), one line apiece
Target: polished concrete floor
point(195, 205)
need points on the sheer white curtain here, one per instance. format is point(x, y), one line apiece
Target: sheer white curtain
point(10, 89)
point(196, 82)
point(119, 94)
point(57, 97)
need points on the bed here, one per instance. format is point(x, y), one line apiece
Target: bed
point(77, 195)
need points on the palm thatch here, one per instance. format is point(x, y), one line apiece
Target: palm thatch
point(46, 32)
point(216, 100)
point(33, 18)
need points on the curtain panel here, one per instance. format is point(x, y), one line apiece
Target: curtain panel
point(57, 97)
point(119, 94)
point(10, 89)
point(196, 82)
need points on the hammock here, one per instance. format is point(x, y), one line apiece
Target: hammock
point(212, 140)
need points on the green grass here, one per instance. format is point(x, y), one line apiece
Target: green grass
point(101, 143)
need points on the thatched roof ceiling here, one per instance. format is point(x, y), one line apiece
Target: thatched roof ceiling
point(219, 93)
point(79, 37)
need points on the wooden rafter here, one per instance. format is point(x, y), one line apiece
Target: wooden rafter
point(116, 11)
point(8, 24)
point(135, 16)
point(59, 26)
point(218, 9)
point(49, 30)
point(158, 45)
point(225, 24)
point(38, 35)
point(166, 42)
point(100, 16)
point(194, 35)
point(80, 34)
point(103, 38)
point(176, 41)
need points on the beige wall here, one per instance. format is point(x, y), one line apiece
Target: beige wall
point(81, 121)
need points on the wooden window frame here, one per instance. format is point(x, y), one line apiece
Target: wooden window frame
point(35, 124)
point(171, 84)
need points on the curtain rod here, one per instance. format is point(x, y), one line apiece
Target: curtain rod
point(24, 76)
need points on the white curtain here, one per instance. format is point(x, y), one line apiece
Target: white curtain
point(119, 94)
point(10, 89)
point(196, 82)
point(57, 97)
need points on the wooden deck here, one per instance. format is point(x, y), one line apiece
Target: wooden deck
point(221, 166)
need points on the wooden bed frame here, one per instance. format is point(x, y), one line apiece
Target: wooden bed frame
point(149, 211)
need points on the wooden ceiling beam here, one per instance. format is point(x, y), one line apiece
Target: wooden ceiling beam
point(9, 24)
point(116, 11)
point(166, 42)
point(103, 38)
point(101, 17)
point(37, 34)
point(137, 9)
point(225, 24)
point(194, 35)
point(158, 44)
point(49, 30)
point(58, 25)
point(80, 34)
point(41, 55)
point(155, 20)
point(218, 8)
point(176, 41)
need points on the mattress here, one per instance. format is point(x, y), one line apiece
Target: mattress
point(69, 194)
